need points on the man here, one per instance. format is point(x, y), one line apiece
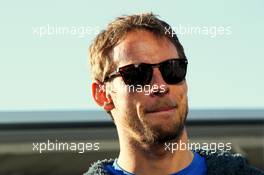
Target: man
point(133, 53)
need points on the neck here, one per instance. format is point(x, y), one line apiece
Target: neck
point(146, 159)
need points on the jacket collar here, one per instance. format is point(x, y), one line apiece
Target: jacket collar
point(217, 163)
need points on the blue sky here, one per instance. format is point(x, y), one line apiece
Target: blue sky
point(51, 72)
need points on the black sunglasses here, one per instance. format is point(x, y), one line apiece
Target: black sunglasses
point(173, 71)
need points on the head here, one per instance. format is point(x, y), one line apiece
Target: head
point(147, 118)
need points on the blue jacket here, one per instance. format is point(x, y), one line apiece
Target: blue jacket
point(218, 163)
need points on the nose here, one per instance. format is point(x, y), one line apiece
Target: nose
point(162, 87)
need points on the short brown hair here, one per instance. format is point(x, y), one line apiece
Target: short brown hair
point(100, 59)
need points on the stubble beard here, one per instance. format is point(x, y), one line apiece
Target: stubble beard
point(158, 135)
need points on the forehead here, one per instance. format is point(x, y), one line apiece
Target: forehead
point(143, 46)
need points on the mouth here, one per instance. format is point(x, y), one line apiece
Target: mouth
point(162, 109)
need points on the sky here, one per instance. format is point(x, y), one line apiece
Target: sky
point(44, 68)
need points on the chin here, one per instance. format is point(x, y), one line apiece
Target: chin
point(162, 133)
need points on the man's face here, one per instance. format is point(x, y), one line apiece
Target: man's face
point(153, 118)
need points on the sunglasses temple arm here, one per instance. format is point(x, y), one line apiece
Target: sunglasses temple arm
point(112, 75)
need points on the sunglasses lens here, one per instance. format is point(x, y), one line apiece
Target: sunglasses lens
point(174, 71)
point(140, 75)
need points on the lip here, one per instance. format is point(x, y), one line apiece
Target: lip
point(162, 109)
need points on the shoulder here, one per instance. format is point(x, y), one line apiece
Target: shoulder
point(97, 168)
point(224, 162)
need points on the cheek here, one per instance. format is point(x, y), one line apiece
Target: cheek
point(180, 93)
point(129, 107)
point(121, 101)
point(124, 102)
point(118, 92)
point(122, 95)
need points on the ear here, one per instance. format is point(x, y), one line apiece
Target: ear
point(100, 95)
